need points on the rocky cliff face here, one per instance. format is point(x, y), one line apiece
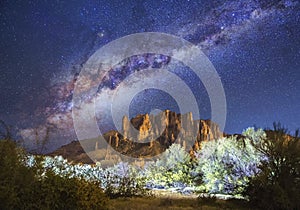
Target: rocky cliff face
point(142, 135)
point(170, 125)
point(149, 135)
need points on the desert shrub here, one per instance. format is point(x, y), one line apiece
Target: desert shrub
point(277, 186)
point(172, 169)
point(35, 187)
point(90, 195)
point(15, 177)
point(123, 180)
point(61, 166)
point(225, 165)
point(53, 191)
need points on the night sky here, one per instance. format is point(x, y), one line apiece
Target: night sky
point(253, 45)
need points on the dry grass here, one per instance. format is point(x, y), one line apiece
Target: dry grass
point(153, 203)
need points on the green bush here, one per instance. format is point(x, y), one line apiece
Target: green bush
point(57, 192)
point(23, 187)
point(15, 178)
point(278, 184)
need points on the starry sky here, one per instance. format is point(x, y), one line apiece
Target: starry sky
point(254, 46)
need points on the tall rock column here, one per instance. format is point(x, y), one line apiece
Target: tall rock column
point(144, 129)
point(126, 127)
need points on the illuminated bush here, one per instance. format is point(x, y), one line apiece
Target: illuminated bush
point(124, 180)
point(62, 167)
point(172, 169)
point(226, 164)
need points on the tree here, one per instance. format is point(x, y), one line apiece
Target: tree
point(277, 186)
point(15, 177)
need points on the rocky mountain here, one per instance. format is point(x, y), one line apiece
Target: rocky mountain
point(143, 136)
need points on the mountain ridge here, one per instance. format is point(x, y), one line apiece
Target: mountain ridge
point(143, 136)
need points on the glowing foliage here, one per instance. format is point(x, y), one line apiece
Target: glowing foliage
point(226, 164)
point(124, 180)
point(172, 169)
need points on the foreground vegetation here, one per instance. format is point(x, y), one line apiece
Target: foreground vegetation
point(154, 203)
point(261, 167)
point(35, 187)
